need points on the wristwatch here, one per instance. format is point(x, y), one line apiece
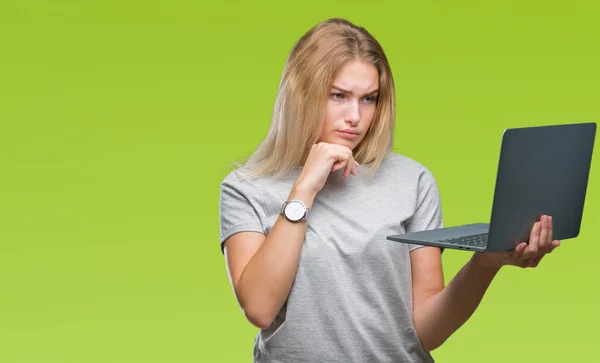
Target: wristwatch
point(294, 210)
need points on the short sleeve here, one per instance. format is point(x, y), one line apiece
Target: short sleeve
point(428, 212)
point(239, 208)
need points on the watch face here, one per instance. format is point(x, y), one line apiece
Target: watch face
point(295, 210)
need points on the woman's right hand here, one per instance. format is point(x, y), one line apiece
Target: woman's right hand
point(323, 159)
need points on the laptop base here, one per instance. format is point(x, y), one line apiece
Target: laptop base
point(471, 237)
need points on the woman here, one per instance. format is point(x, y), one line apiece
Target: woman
point(304, 221)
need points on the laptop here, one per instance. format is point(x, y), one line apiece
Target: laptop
point(542, 170)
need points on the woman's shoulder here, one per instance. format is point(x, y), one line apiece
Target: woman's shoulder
point(408, 172)
point(231, 177)
point(244, 178)
point(395, 162)
point(236, 179)
point(235, 184)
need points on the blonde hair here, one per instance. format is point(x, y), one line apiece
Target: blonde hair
point(301, 100)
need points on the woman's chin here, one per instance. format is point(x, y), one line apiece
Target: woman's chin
point(340, 141)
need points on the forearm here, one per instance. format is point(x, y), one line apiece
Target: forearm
point(439, 316)
point(267, 279)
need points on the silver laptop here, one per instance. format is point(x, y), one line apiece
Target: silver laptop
point(542, 170)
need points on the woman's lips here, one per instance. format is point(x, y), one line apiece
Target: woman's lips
point(348, 134)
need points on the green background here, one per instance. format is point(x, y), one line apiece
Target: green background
point(119, 120)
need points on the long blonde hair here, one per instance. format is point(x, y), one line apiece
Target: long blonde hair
point(300, 105)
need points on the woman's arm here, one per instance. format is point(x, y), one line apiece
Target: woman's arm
point(437, 311)
point(262, 269)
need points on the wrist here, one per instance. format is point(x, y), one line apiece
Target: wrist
point(305, 195)
point(480, 260)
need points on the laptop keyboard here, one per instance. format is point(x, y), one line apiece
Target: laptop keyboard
point(477, 240)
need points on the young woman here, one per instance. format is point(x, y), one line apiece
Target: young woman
point(304, 221)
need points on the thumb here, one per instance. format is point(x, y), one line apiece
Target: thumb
point(519, 249)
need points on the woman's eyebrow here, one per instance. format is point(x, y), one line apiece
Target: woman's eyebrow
point(346, 91)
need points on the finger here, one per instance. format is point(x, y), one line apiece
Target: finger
point(518, 251)
point(553, 246)
point(349, 167)
point(338, 165)
point(351, 163)
point(543, 241)
point(355, 169)
point(550, 231)
point(341, 159)
point(337, 153)
point(514, 256)
point(341, 156)
point(532, 246)
point(549, 244)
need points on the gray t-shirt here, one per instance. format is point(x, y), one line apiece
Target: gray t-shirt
point(351, 300)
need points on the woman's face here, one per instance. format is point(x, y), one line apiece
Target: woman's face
point(351, 104)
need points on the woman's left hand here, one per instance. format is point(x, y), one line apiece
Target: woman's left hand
point(525, 254)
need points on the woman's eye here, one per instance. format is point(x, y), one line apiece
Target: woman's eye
point(337, 96)
point(370, 99)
